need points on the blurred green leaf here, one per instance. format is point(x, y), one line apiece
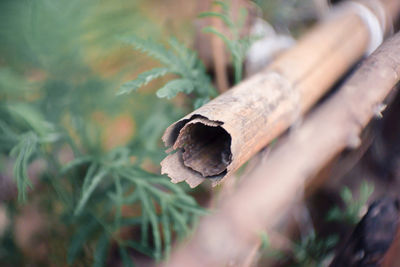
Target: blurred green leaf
point(346, 195)
point(143, 79)
point(172, 88)
point(79, 239)
point(22, 153)
point(100, 254)
point(236, 45)
point(92, 182)
point(352, 209)
point(126, 261)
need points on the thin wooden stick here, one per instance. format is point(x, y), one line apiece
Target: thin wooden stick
point(226, 237)
point(215, 140)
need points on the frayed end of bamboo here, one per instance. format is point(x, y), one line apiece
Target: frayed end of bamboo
point(202, 151)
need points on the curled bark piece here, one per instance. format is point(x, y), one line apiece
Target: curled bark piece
point(215, 140)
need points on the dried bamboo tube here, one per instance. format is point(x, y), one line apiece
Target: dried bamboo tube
point(262, 198)
point(215, 140)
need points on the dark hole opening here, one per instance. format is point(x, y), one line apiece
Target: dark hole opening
point(206, 149)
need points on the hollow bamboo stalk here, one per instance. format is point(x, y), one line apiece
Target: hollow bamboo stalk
point(226, 237)
point(215, 140)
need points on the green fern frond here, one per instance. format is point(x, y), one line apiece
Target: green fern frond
point(31, 117)
point(185, 57)
point(100, 254)
point(126, 261)
point(132, 185)
point(352, 207)
point(75, 163)
point(177, 208)
point(366, 190)
point(172, 88)
point(166, 226)
point(90, 184)
point(149, 209)
point(8, 136)
point(180, 61)
point(139, 247)
point(142, 79)
point(79, 239)
point(312, 250)
point(236, 45)
point(23, 152)
point(22, 133)
point(227, 41)
point(11, 83)
point(28, 117)
point(151, 48)
point(224, 17)
point(47, 111)
point(223, 4)
point(118, 199)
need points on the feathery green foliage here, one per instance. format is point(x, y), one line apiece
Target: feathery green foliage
point(51, 98)
point(127, 184)
point(237, 45)
point(22, 152)
point(352, 211)
point(179, 61)
point(23, 130)
point(313, 251)
point(142, 79)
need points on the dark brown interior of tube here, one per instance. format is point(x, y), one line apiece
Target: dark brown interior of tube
point(206, 149)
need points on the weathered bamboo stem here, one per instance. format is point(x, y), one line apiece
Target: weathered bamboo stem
point(215, 140)
point(261, 199)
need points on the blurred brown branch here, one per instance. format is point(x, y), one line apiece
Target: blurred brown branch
point(228, 236)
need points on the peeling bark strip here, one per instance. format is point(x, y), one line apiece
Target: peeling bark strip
point(227, 236)
point(215, 140)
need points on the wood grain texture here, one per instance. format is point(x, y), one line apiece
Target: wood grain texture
point(261, 199)
point(260, 108)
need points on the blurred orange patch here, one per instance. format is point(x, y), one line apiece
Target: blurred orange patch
point(118, 131)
